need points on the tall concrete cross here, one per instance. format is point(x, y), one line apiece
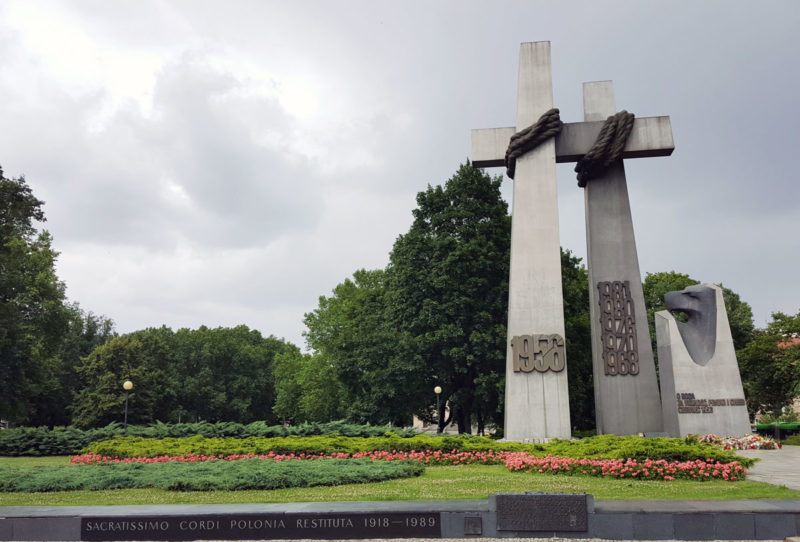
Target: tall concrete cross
point(626, 394)
point(537, 404)
point(536, 401)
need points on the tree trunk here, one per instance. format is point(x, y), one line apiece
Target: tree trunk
point(464, 421)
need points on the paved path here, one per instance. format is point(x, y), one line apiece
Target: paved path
point(779, 467)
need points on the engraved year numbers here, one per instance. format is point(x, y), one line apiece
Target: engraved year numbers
point(421, 522)
point(376, 522)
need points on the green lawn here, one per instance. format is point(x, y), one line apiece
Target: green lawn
point(33, 461)
point(450, 482)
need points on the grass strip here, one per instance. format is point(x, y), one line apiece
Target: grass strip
point(202, 476)
point(444, 482)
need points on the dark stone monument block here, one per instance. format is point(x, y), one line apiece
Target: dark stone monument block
point(60, 528)
point(264, 526)
point(611, 526)
point(542, 512)
point(775, 526)
point(6, 533)
point(653, 527)
point(694, 526)
point(734, 526)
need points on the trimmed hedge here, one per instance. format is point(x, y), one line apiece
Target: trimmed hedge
point(38, 441)
point(669, 449)
point(215, 475)
point(784, 429)
point(122, 447)
point(606, 447)
point(793, 440)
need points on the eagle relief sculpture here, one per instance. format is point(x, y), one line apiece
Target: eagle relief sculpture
point(701, 388)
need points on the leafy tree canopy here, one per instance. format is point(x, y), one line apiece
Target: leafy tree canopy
point(578, 337)
point(33, 315)
point(356, 344)
point(770, 365)
point(222, 374)
point(448, 288)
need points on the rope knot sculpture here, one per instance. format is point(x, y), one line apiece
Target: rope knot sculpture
point(549, 125)
point(607, 149)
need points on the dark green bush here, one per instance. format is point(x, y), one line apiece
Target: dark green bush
point(68, 440)
point(781, 429)
point(793, 440)
point(216, 475)
point(123, 447)
point(670, 449)
point(605, 446)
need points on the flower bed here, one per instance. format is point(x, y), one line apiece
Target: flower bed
point(514, 461)
point(627, 468)
point(747, 442)
point(429, 457)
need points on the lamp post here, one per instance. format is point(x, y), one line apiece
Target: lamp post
point(127, 386)
point(438, 391)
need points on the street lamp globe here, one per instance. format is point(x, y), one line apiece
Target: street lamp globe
point(437, 390)
point(127, 386)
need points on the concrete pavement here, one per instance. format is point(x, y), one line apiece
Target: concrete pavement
point(778, 467)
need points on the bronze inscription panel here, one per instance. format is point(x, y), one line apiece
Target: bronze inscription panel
point(618, 329)
point(538, 352)
point(542, 512)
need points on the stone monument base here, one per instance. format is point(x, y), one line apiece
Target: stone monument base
point(501, 516)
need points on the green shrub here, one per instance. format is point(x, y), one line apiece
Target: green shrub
point(794, 440)
point(205, 475)
point(123, 447)
point(43, 441)
point(670, 449)
point(605, 446)
point(38, 441)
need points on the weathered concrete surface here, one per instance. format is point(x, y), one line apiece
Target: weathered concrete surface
point(685, 384)
point(651, 136)
point(536, 403)
point(627, 403)
point(627, 400)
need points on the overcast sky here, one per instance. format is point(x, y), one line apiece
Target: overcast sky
point(224, 163)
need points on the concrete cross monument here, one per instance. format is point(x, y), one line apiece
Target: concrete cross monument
point(625, 387)
point(537, 404)
point(536, 401)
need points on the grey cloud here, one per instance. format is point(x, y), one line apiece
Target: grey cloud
point(419, 76)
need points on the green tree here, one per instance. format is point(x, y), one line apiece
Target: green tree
point(85, 332)
point(323, 398)
point(578, 339)
point(770, 366)
point(226, 373)
point(222, 374)
point(33, 316)
point(355, 342)
point(100, 399)
point(307, 389)
point(286, 370)
point(448, 291)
